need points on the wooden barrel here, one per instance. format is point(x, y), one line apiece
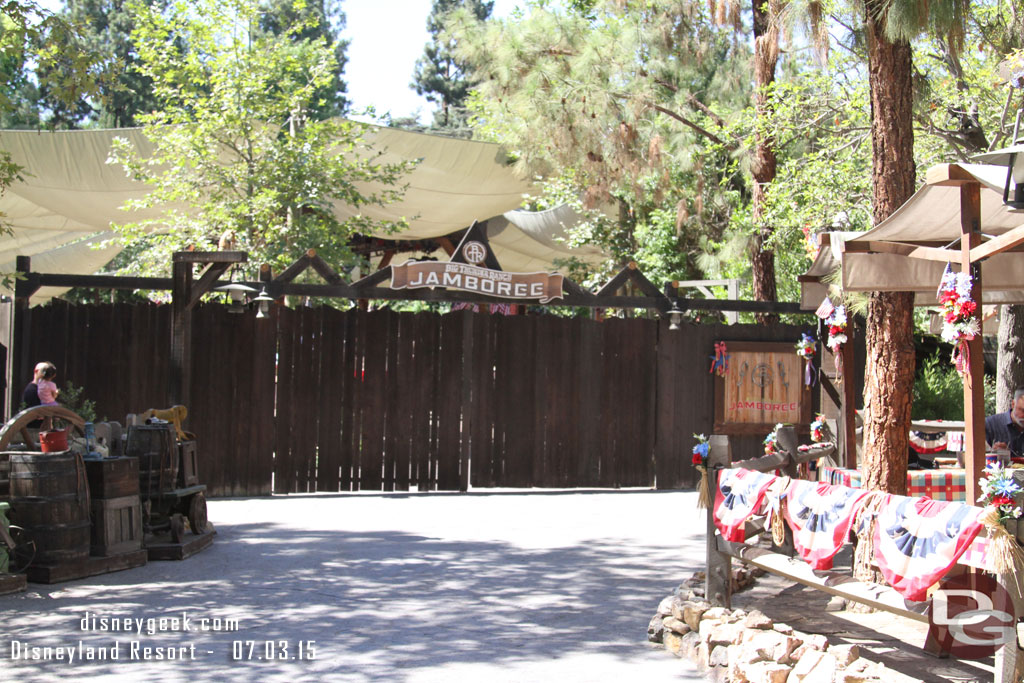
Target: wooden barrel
point(50, 500)
point(157, 450)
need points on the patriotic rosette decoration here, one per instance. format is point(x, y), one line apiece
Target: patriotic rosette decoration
point(820, 516)
point(917, 540)
point(959, 324)
point(806, 348)
point(928, 442)
point(739, 495)
point(700, 461)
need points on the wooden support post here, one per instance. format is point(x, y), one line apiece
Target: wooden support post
point(974, 384)
point(849, 388)
point(21, 368)
point(718, 570)
point(180, 381)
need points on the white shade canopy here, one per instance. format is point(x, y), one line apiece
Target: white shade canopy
point(70, 196)
point(931, 217)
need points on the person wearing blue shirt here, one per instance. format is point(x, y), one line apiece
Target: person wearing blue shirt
point(1006, 430)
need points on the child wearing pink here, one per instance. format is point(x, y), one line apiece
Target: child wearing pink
point(46, 387)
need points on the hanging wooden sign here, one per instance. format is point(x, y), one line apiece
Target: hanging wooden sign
point(474, 268)
point(414, 274)
point(762, 387)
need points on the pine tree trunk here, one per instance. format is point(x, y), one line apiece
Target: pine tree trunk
point(889, 374)
point(766, 55)
point(1010, 363)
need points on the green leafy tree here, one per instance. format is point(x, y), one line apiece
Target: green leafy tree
point(441, 76)
point(105, 28)
point(314, 20)
point(232, 154)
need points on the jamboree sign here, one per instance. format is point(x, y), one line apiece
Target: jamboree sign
point(469, 278)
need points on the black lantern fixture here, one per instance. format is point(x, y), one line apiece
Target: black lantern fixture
point(675, 315)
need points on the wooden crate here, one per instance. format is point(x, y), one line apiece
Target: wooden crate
point(113, 477)
point(116, 526)
point(189, 466)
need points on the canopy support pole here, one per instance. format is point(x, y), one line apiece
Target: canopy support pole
point(974, 378)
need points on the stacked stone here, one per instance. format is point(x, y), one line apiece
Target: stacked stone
point(742, 647)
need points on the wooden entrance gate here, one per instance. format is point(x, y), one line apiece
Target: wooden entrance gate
point(316, 399)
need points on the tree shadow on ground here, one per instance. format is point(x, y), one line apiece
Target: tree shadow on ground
point(378, 604)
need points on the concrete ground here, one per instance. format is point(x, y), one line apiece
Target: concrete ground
point(486, 586)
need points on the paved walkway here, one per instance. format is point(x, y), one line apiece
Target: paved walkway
point(486, 586)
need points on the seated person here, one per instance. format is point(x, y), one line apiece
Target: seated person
point(1006, 430)
point(30, 396)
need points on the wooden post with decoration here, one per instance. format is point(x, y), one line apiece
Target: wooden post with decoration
point(718, 570)
point(849, 388)
point(974, 378)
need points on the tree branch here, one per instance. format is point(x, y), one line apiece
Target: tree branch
point(686, 122)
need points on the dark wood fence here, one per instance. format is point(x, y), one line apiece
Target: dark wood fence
point(315, 399)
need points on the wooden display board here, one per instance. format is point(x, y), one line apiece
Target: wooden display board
point(764, 385)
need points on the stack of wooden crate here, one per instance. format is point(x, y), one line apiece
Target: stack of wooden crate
point(116, 510)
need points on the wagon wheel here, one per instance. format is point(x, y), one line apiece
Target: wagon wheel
point(20, 422)
point(22, 552)
point(197, 513)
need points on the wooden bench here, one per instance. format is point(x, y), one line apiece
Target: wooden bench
point(1009, 662)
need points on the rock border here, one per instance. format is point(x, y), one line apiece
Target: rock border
point(749, 647)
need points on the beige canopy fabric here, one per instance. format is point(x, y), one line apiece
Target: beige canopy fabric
point(70, 196)
point(929, 218)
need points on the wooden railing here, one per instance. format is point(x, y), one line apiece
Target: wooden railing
point(1009, 659)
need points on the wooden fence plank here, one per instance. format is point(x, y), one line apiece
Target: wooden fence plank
point(449, 400)
point(329, 409)
point(348, 406)
point(262, 437)
point(284, 468)
point(482, 401)
point(374, 384)
point(515, 406)
point(590, 381)
point(391, 410)
point(402, 401)
point(427, 367)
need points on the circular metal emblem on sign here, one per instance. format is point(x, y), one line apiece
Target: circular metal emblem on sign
point(474, 252)
point(762, 375)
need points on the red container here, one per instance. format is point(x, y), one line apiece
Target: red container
point(53, 442)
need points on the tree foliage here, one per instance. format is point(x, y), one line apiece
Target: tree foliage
point(314, 20)
point(233, 154)
point(628, 106)
point(439, 75)
point(103, 30)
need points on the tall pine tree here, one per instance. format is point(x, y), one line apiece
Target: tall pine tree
point(439, 75)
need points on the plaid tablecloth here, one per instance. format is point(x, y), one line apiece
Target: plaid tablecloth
point(936, 484)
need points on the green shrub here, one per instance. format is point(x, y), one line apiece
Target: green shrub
point(939, 391)
point(71, 398)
